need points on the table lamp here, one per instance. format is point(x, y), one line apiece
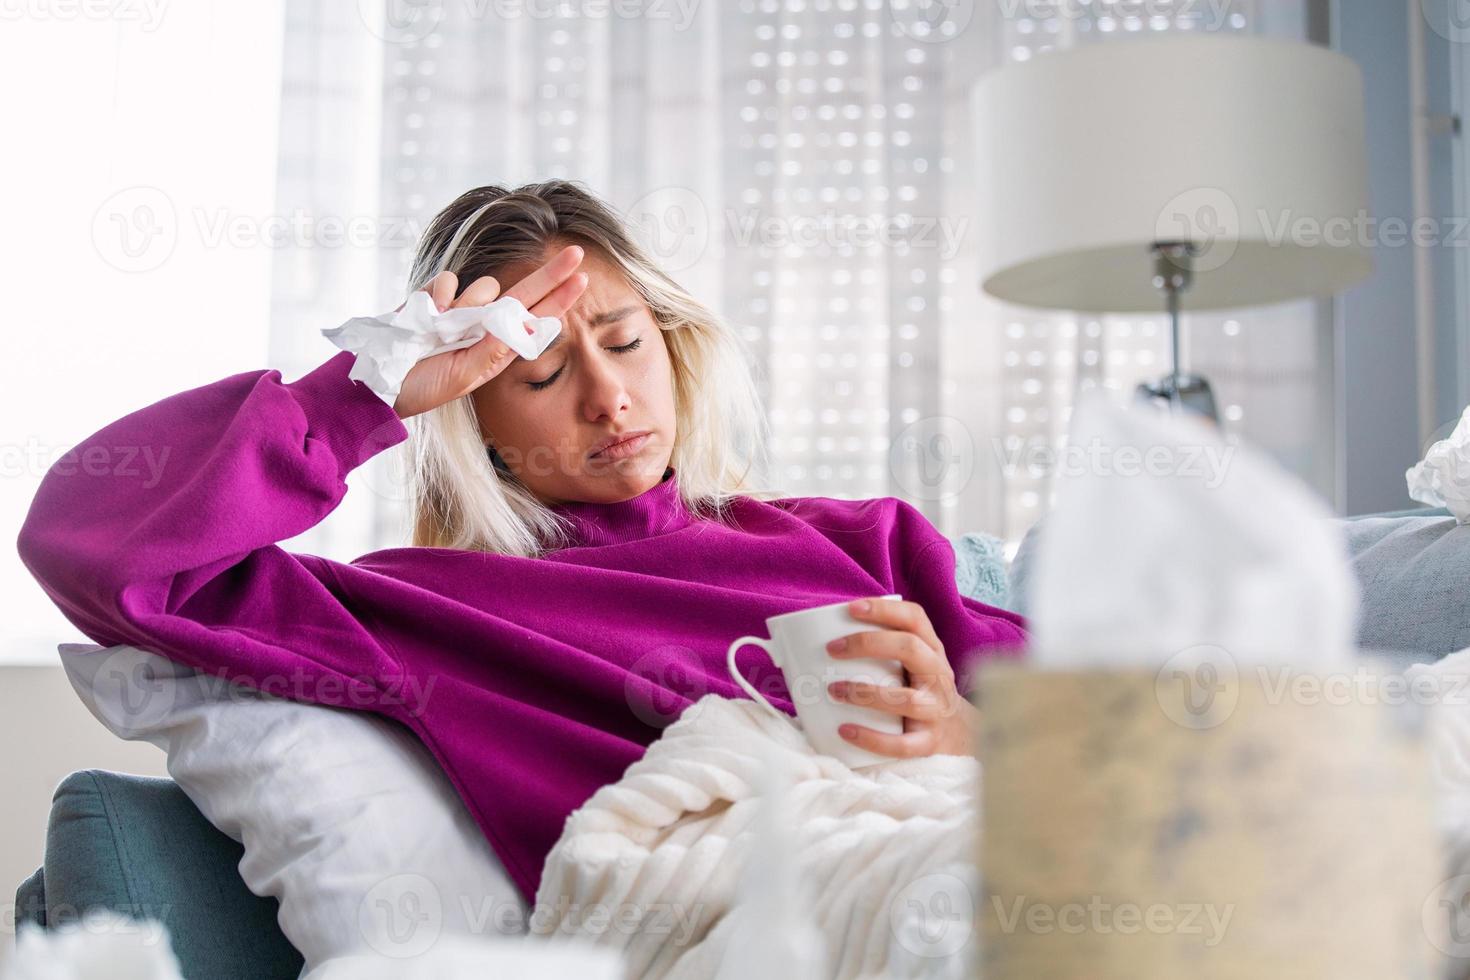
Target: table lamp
point(1126, 176)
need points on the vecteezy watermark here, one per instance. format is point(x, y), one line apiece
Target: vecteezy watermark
point(662, 683)
point(836, 230)
point(933, 458)
point(1363, 230)
point(1208, 219)
point(401, 21)
point(933, 916)
point(931, 21)
point(1206, 15)
point(1098, 915)
point(144, 464)
point(147, 14)
point(128, 918)
point(1445, 917)
point(1200, 687)
point(404, 914)
point(1450, 19)
point(672, 224)
point(134, 690)
point(410, 21)
point(1207, 463)
point(137, 229)
point(676, 227)
point(401, 915)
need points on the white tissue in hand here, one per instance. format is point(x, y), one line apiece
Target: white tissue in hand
point(1165, 540)
point(1442, 479)
point(388, 346)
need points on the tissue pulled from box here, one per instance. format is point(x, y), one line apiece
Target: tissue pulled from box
point(1166, 541)
point(1442, 478)
point(388, 346)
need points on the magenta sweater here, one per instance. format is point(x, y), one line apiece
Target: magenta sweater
point(532, 681)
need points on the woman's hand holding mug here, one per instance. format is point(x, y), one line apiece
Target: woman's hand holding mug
point(937, 720)
point(549, 291)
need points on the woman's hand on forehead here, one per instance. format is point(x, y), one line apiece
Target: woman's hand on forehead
point(548, 291)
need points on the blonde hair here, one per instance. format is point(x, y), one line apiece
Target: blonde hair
point(460, 498)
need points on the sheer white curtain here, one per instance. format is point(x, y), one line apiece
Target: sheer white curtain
point(802, 165)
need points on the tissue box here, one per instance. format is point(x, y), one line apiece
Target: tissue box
point(1221, 825)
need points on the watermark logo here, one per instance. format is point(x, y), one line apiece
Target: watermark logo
point(933, 458)
point(1205, 217)
point(1445, 917)
point(933, 916)
point(1450, 19)
point(136, 229)
point(130, 693)
point(832, 230)
point(1198, 687)
point(401, 916)
point(147, 14)
point(931, 21)
point(673, 225)
point(662, 683)
point(1201, 15)
point(401, 21)
point(1103, 917)
point(1037, 458)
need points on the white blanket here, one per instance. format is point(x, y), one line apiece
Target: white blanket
point(731, 841)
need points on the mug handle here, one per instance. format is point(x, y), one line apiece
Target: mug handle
point(765, 645)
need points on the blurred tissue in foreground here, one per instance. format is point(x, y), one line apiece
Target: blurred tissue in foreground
point(1165, 540)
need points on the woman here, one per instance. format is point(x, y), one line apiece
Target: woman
point(585, 544)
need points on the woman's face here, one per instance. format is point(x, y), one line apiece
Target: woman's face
point(606, 375)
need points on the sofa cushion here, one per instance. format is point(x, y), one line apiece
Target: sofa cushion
point(1415, 572)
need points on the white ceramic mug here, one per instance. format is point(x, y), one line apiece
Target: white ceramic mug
point(798, 645)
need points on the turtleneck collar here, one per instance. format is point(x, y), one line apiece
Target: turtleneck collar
point(656, 510)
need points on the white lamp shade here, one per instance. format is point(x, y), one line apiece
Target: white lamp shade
point(1252, 149)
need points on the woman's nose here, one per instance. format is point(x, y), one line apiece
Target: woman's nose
point(606, 395)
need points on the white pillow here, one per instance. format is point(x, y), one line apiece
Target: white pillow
point(345, 816)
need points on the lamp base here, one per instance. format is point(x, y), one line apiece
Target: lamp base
point(1182, 392)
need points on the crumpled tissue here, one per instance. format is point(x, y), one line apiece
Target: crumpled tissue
point(99, 943)
point(1442, 478)
point(388, 346)
point(1168, 543)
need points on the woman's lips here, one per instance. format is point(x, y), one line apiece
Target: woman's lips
point(628, 447)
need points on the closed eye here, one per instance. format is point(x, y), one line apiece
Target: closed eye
point(632, 345)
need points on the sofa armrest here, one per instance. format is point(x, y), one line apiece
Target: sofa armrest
point(30, 900)
point(139, 846)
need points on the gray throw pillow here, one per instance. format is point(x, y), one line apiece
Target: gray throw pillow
point(1415, 573)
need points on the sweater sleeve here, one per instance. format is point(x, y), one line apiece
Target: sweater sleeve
point(970, 630)
point(160, 530)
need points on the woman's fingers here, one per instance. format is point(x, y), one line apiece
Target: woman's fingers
point(560, 299)
point(906, 702)
point(441, 289)
point(896, 614)
point(910, 745)
point(482, 292)
point(541, 283)
point(924, 665)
